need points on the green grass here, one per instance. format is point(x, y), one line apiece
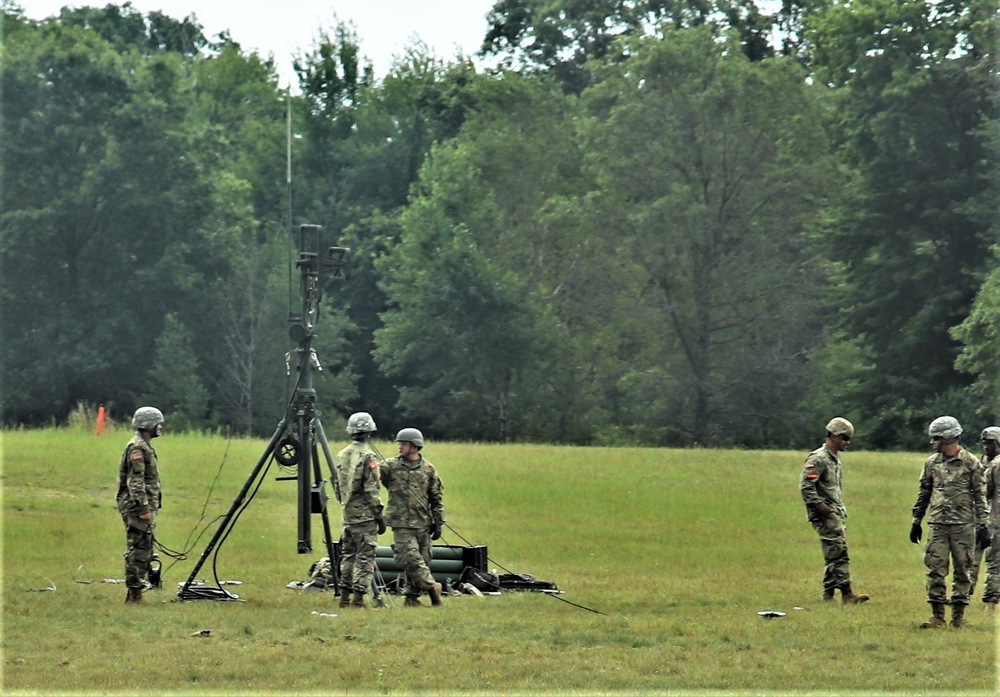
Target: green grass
point(679, 549)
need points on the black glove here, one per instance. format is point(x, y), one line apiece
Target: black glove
point(983, 538)
point(381, 525)
point(436, 531)
point(915, 533)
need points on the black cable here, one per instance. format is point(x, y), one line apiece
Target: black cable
point(188, 545)
point(218, 592)
point(582, 607)
point(501, 566)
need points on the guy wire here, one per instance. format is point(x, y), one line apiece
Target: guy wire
point(182, 555)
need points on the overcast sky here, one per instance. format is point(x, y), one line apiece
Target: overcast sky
point(285, 27)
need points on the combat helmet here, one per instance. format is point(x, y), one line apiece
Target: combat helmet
point(991, 433)
point(361, 422)
point(946, 427)
point(839, 426)
point(146, 418)
point(411, 435)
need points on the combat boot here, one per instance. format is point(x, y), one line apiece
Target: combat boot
point(435, 593)
point(849, 596)
point(359, 601)
point(828, 594)
point(412, 601)
point(133, 595)
point(345, 598)
point(937, 619)
point(958, 616)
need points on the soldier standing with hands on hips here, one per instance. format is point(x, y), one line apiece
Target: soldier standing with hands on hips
point(139, 498)
point(415, 513)
point(953, 494)
point(821, 488)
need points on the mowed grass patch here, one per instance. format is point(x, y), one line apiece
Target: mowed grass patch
point(678, 549)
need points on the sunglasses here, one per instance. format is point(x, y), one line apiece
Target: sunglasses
point(844, 437)
point(937, 438)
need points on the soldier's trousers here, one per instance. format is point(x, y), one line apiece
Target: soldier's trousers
point(956, 543)
point(977, 560)
point(139, 549)
point(357, 555)
point(411, 549)
point(991, 593)
point(833, 539)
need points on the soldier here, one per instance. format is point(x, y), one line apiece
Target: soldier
point(139, 498)
point(978, 553)
point(991, 454)
point(357, 478)
point(415, 513)
point(821, 488)
point(953, 492)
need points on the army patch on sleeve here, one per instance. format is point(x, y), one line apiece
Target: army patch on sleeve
point(136, 456)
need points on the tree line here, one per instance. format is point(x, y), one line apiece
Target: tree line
point(684, 223)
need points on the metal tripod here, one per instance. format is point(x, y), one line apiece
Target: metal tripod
point(299, 435)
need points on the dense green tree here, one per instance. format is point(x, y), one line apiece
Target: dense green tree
point(473, 333)
point(561, 36)
point(97, 192)
point(135, 179)
point(913, 93)
point(174, 379)
point(363, 180)
point(127, 29)
point(712, 170)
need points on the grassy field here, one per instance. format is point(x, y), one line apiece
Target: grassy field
point(678, 549)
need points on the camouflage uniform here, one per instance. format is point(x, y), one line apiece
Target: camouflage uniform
point(820, 485)
point(415, 506)
point(358, 476)
point(978, 552)
point(952, 491)
point(991, 593)
point(138, 494)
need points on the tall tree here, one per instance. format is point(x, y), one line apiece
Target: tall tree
point(561, 36)
point(914, 93)
point(363, 179)
point(96, 182)
point(713, 169)
point(473, 331)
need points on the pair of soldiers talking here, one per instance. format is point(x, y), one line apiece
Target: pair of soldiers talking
point(415, 513)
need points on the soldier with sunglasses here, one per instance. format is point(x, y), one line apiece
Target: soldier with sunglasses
point(821, 487)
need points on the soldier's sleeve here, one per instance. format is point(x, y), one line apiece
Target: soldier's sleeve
point(979, 493)
point(135, 480)
point(991, 483)
point(923, 493)
point(371, 485)
point(385, 473)
point(435, 497)
point(811, 473)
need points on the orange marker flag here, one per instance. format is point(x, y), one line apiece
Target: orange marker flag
point(100, 421)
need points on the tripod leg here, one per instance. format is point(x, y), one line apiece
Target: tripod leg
point(185, 592)
point(332, 551)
